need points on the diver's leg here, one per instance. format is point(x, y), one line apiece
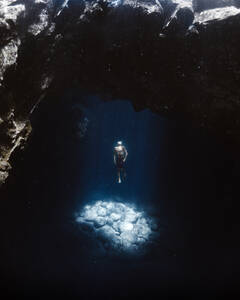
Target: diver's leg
point(119, 175)
point(123, 174)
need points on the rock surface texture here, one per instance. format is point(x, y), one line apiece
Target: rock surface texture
point(178, 57)
point(118, 225)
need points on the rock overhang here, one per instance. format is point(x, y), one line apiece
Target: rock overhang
point(181, 58)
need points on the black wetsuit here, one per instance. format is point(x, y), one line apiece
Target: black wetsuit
point(120, 157)
point(120, 161)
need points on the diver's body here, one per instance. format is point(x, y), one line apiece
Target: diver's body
point(120, 156)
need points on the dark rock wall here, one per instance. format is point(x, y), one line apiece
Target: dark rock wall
point(179, 58)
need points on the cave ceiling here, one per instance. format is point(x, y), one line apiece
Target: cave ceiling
point(180, 58)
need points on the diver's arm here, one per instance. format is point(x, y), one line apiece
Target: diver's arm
point(126, 154)
point(114, 158)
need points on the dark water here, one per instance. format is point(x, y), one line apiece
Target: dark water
point(174, 173)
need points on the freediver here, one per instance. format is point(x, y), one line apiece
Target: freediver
point(120, 156)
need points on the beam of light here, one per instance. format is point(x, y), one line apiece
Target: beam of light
point(118, 223)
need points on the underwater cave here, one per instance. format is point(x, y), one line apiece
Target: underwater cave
point(179, 181)
point(76, 78)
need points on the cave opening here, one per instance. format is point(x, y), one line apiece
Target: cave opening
point(175, 174)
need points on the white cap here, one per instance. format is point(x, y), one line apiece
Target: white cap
point(119, 142)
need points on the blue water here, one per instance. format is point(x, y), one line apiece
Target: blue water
point(141, 133)
point(175, 173)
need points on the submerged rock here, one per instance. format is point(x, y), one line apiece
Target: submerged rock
point(118, 224)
